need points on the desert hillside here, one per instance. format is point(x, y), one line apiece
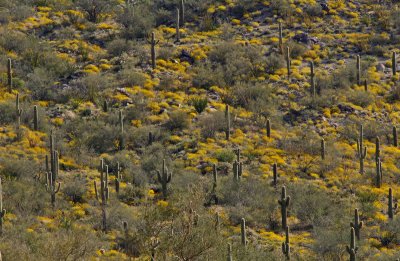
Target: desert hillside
point(199, 130)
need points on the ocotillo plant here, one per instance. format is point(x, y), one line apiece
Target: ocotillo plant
point(288, 63)
point(229, 258)
point(35, 118)
point(357, 225)
point(2, 210)
point(352, 249)
point(178, 33)
point(358, 70)
point(322, 149)
point(153, 44)
point(284, 202)
point(104, 193)
point(394, 63)
point(275, 174)
point(286, 244)
point(280, 38)
point(9, 75)
point(243, 232)
point(182, 9)
point(228, 122)
point(394, 136)
point(361, 150)
point(392, 207)
point(379, 175)
point(312, 80)
point(164, 177)
point(121, 129)
point(268, 128)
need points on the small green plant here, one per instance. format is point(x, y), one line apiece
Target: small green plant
point(199, 104)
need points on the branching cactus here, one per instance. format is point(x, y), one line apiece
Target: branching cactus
point(243, 232)
point(392, 207)
point(394, 136)
point(352, 249)
point(358, 70)
point(288, 62)
point(322, 149)
point(153, 42)
point(268, 128)
point(229, 258)
point(228, 122)
point(9, 75)
point(52, 187)
point(275, 174)
point(361, 150)
point(104, 193)
point(379, 174)
point(394, 64)
point(357, 225)
point(164, 177)
point(2, 210)
point(35, 118)
point(284, 202)
point(312, 80)
point(286, 244)
point(178, 33)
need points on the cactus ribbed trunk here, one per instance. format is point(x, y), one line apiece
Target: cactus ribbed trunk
point(312, 80)
point(284, 202)
point(178, 34)
point(228, 122)
point(268, 128)
point(394, 64)
point(9, 75)
point(288, 61)
point(395, 136)
point(35, 118)
point(243, 232)
point(358, 70)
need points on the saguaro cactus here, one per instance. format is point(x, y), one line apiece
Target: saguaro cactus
point(394, 63)
point(392, 207)
point(379, 174)
point(214, 186)
point(153, 42)
point(228, 122)
point(312, 80)
point(358, 70)
point(17, 103)
point(178, 33)
point(2, 210)
point(164, 177)
point(280, 38)
point(377, 148)
point(322, 149)
point(395, 136)
point(104, 193)
point(229, 258)
point(118, 178)
point(361, 150)
point(365, 85)
point(182, 9)
point(9, 75)
point(286, 244)
point(268, 128)
point(352, 249)
point(243, 232)
point(288, 63)
point(35, 118)
point(284, 202)
point(105, 106)
point(237, 170)
point(121, 129)
point(357, 225)
point(275, 174)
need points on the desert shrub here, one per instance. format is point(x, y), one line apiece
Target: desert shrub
point(90, 87)
point(274, 62)
point(212, 123)
point(314, 10)
point(101, 138)
point(394, 94)
point(199, 103)
point(75, 190)
point(95, 9)
point(118, 47)
point(7, 113)
point(206, 75)
point(360, 98)
point(225, 155)
point(130, 193)
point(296, 49)
point(152, 158)
point(18, 168)
point(137, 20)
point(178, 120)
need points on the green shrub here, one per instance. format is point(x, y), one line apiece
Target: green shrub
point(225, 155)
point(178, 120)
point(199, 103)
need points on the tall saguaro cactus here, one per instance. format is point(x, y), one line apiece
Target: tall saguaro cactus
point(379, 174)
point(377, 148)
point(178, 33)
point(357, 225)
point(243, 232)
point(352, 249)
point(35, 118)
point(280, 38)
point(392, 207)
point(104, 193)
point(312, 80)
point(228, 122)
point(2, 210)
point(322, 149)
point(164, 177)
point(182, 11)
point(229, 257)
point(288, 62)
point(121, 130)
point(358, 70)
point(153, 42)
point(118, 178)
point(275, 174)
point(394, 64)
point(395, 136)
point(9, 75)
point(361, 150)
point(268, 128)
point(284, 202)
point(51, 185)
point(286, 244)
